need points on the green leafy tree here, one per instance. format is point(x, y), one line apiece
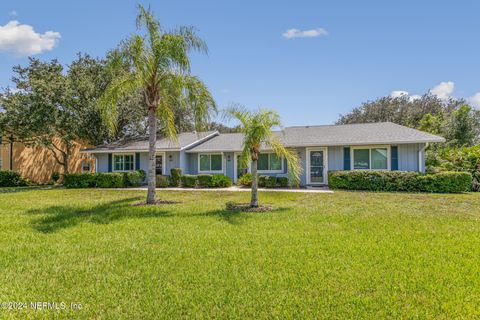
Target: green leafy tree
point(257, 129)
point(432, 124)
point(463, 127)
point(160, 70)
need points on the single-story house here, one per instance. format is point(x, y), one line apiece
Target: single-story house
point(322, 148)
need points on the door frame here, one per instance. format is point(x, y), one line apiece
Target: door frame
point(235, 166)
point(325, 165)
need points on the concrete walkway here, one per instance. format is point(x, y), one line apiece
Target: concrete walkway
point(239, 189)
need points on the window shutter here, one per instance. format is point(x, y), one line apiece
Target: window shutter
point(137, 161)
point(109, 162)
point(394, 151)
point(346, 158)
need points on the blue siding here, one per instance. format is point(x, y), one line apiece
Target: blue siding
point(229, 165)
point(102, 162)
point(408, 157)
point(192, 163)
point(144, 161)
point(183, 161)
point(335, 158)
point(172, 160)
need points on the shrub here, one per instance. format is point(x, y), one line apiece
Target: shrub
point(282, 182)
point(189, 181)
point(80, 180)
point(262, 181)
point(134, 178)
point(163, 181)
point(109, 180)
point(175, 177)
point(11, 178)
point(245, 180)
point(270, 181)
point(446, 182)
point(55, 176)
point(465, 159)
point(220, 181)
point(205, 180)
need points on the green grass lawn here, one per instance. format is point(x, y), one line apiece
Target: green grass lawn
point(341, 255)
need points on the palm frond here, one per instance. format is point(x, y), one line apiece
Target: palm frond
point(293, 162)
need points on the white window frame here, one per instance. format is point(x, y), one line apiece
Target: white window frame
point(389, 156)
point(210, 154)
point(282, 160)
point(123, 154)
point(325, 165)
point(163, 161)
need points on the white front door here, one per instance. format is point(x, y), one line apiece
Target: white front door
point(316, 166)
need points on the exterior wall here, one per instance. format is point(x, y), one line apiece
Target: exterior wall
point(38, 163)
point(172, 160)
point(408, 157)
point(335, 158)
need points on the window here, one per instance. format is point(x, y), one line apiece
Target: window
point(269, 162)
point(85, 166)
point(210, 162)
point(159, 164)
point(123, 162)
point(370, 158)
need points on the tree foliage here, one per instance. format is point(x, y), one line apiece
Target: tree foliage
point(257, 129)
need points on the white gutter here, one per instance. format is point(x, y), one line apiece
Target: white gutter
point(421, 164)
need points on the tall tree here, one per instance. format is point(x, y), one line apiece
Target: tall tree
point(463, 127)
point(160, 71)
point(257, 128)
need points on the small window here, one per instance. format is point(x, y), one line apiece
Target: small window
point(85, 166)
point(210, 162)
point(269, 162)
point(370, 158)
point(379, 158)
point(361, 159)
point(123, 162)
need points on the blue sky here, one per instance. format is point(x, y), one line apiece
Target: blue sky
point(350, 52)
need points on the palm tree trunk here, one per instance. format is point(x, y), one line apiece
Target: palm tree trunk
point(254, 201)
point(152, 139)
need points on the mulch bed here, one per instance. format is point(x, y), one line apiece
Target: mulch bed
point(245, 207)
point(157, 203)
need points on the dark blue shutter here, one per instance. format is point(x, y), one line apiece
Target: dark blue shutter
point(137, 161)
point(346, 158)
point(394, 164)
point(109, 162)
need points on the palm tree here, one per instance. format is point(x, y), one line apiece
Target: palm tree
point(257, 130)
point(160, 71)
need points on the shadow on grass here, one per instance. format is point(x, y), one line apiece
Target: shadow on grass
point(235, 217)
point(62, 217)
point(25, 189)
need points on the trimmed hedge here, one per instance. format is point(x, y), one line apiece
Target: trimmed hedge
point(220, 181)
point(109, 180)
point(245, 180)
point(11, 178)
point(135, 178)
point(175, 177)
point(80, 180)
point(282, 182)
point(163, 181)
point(189, 181)
point(205, 180)
point(444, 182)
point(270, 181)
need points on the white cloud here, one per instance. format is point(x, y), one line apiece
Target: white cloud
point(475, 100)
point(12, 13)
point(443, 90)
point(414, 97)
point(22, 40)
point(312, 33)
point(398, 93)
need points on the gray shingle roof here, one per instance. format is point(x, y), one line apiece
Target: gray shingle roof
point(184, 140)
point(328, 135)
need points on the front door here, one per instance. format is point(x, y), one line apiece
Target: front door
point(159, 164)
point(316, 166)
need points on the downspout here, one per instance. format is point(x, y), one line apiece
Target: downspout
point(421, 164)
